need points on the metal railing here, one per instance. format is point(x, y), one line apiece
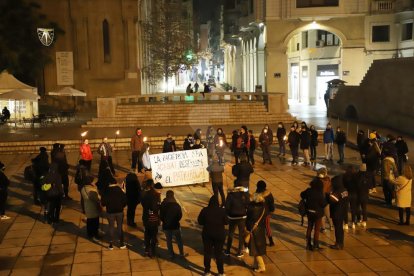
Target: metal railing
point(382, 6)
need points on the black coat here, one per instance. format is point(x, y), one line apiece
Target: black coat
point(236, 203)
point(351, 184)
point(4, 182)
point(256, 213)
point(314, 137)
point(338, 199)
point(150, 201)
point(169, 145)
point(133, 189)
point(281, 133)
point(389, 149)
point(340, 138)
point(402, 148)
point(305, 140)
point(265, 139)
point(364, 180)
point(170, 215)
point(293, 139)
point(213, 219)
point(315, 201)
point(252, 143)
point(114, 199)
point(216, 172)
point(242, 172)
point(41, 164)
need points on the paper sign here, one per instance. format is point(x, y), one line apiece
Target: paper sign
point(180, 167)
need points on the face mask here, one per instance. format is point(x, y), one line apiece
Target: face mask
point(86, 142)
point(265, 130)
point(139, 132)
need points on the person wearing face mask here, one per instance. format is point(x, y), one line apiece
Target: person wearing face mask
point(280, 134)
point(105, 150)
point(270, 131)
point(305, 144)
point(188, 142)
point(265, 142)
point(86, 155)
point(220, 143)
point(137, 144)
point(169, 144)
point(328, 140)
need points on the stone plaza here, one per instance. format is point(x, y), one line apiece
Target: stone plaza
point(28, 246)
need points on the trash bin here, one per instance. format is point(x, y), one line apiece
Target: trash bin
point(258, 89)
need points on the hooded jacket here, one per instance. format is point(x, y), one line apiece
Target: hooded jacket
point(213, 219)
point(237, 202)
point(114, 199)
point(170, 214)
point(314, 198)
point(338, 199)
point(41, 164)
point(133, 189)
point(389, 169)
point(242, 172)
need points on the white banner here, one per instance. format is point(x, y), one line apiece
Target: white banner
point(180, 167)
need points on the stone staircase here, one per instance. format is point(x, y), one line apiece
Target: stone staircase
point(193, 114)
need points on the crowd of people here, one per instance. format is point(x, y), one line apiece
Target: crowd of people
point(325, 202)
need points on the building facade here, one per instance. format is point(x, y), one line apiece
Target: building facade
point(98, 53)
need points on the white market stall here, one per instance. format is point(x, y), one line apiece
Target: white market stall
point(25, 107)
point(68, 92)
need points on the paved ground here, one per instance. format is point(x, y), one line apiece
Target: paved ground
point(30, 247)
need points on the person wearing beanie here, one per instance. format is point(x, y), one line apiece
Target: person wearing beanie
point(170, 215)
point(213, 219)
point(4, 184)
point(270, 207)
point(256, 226)
point(40, 165)
point(236, 210)
point(338, 201)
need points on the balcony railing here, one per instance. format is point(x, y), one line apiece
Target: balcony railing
point(382, 6)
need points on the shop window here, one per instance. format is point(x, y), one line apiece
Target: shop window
point(381, 33)
point(326, 38)
point(106, 41)
point(407, 31)
point(316, 3)
point(305, 37)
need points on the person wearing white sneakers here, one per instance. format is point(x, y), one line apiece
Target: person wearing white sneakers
point(4, 184)
point(364, 183)
point(351, 185)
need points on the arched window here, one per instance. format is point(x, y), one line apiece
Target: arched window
point(106, 41)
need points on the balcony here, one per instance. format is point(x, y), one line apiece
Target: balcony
point(382, 6)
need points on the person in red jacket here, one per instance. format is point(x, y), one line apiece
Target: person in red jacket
point(86, 154)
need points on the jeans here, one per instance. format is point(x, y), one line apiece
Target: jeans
point(131, 212)
point(136, 158)
point(314, 223)
point(313, 152)
point(119, 218)
point(169, 236)
point(295, 153)
point(341, 152)
point(240, 224)
point(150, 239)
point(266, 153)
point(282, 147)
point(329, 151)
point(92, 227)
point(407, 214)
point(216, 245)
point(218, 188)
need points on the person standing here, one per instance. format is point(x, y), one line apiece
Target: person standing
point(265, 141)
point(351, 185)
point(252, 148)
point(188, 142)
point(213, 219)
point(105, 150)
point(338, 200)
point(236, 145)
point(53, 188)
point(189, 90)
point(196, 86)
point(340, 140)
point(322, 174)
point(364, 183)
point(328, 140)
point(150, 217)
point(305, 141)
point(63, 168)
point(255, 225)
point(388, 173)
point(402, 150)
point(281, 134)
point(40, 167)
point(294, 141)
point(270, 208)
point(133, 194)
point(137, 145)
point(372, 158)
point(210, 145)
point(403, 194)
point(313, 143)
point(242, 171)
point(115, 200)
point(4, 185)
point(92, 205)
point(86, 155)
point(169, 144)
point(236, 210)
point(362, 144)
point(315, 203)
point(216, 171)
point(220, 143)
point(170, 215)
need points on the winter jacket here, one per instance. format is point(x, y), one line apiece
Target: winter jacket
point(281, 133)
point(242, 172)
point(62, 163)
point(389, 169)
point(53, 177)
point(315, 201)
point(91, 201)
point(216, 172)
point(314, 138)
point(340, 138)
point(294, 139)
point(389, 149)
point(169, 145)
point(338, 199)
point(86, 153)
point(213, 219)
point(364, 180)
point(270, 132)
point(170, 214)
point(252, 143)
point(133, 189)
point(105, 150)
point(269, 201)
point(328, 136)
point(217, 139)
point(137, 143)
point(114, 199)
point(41, 164)
point(257, 243)
point(305, 140)
point(265, 139)
point(188, 144)
point(237, 202)
point(373, 154)
point(402, 148)
point(150, 201)
point(351, 184)
point(403, 191)
point(4, 182)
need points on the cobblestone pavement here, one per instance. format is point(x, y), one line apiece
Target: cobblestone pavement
point(30, 247)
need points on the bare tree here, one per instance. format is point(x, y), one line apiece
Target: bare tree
point(168, 41)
